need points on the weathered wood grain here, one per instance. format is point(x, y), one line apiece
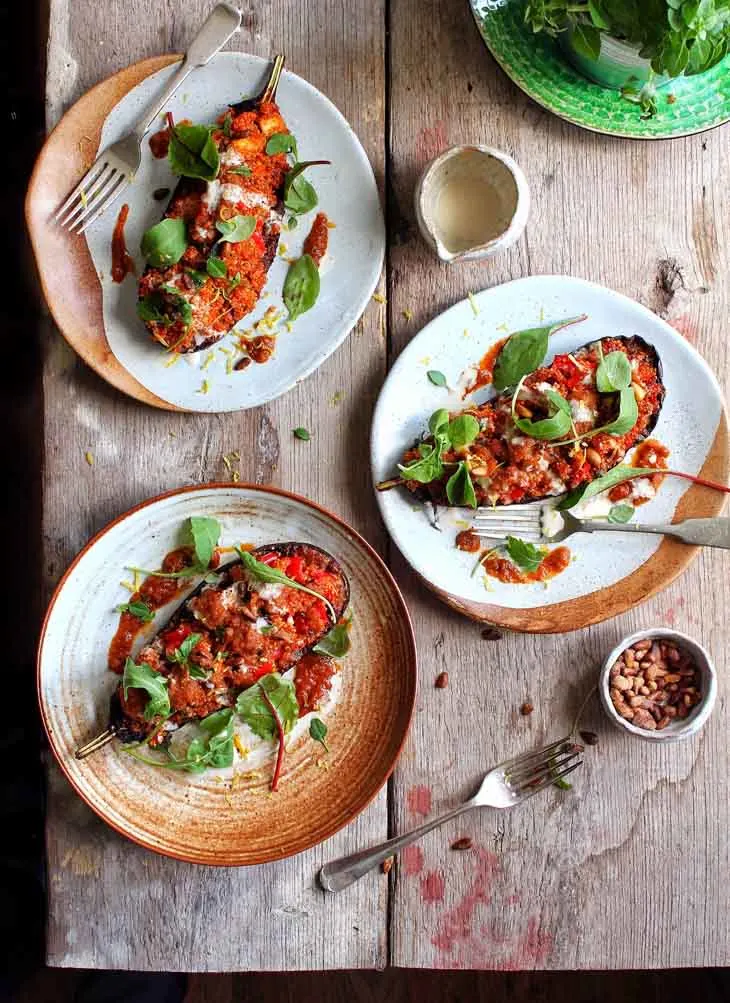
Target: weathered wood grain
point(630, 869)
point(111, 904)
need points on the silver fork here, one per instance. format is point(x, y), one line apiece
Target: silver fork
point(116, 166)
point(543, 524)
point(505, 786)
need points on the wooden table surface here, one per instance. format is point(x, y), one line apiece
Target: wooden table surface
point(630, 869)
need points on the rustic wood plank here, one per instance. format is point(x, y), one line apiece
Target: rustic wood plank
point(111, 904)
point(630, 870)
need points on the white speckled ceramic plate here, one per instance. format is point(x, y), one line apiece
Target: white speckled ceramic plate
point(347, 193)
point(209, 818)
point(608, 574)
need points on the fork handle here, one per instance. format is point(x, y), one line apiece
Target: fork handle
point(346, 871)
point(702, 532)
point(217, 28)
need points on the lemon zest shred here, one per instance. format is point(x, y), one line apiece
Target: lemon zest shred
point(172, 360)
point(89, 457)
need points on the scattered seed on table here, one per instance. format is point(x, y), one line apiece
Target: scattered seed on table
point(387, 864)
point(526, 709)
point(442, 681)
point(463, 843)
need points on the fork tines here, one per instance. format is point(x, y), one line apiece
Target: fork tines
point(98, 187)
point(524, 521)
point(529, 774)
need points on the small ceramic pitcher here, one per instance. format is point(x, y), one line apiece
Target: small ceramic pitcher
point(471, 203)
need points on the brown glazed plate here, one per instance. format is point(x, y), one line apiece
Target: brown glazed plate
point(608, 574)
point(212, 818)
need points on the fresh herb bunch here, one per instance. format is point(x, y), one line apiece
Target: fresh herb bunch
point(676, 36)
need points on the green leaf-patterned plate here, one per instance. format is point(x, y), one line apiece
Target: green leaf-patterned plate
point(537, 65)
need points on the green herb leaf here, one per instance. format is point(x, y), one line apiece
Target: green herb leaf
point(142, 677)
point(621, 513)
point(205, 533)
point(236, 229)
point(556, 426)
point(282, 142)
point(165, 306)
point(181, 656)
point(336, 644)
point(234, 283)
point(429, 468)
point(587, 40)
point(525, 555)
point(192, 152)
point(261, 572)
point(437, 378)
point(214, 747)
point(438, 421)
point(607, 481)
point(628, 415)
point(299, 195)
point(613, 373)
point(302, 433)
point(525, 351)
point(241, 169)
point(318, 731)
point(301, 286)
point(216, 267)
point(226, 125)
point(255, 712)
point(199, 278)
point(165, 243)
point(462, 431)
point(137, 608)
point(460, 489)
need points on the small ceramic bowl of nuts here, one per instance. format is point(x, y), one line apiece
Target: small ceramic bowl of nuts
point(659, 685)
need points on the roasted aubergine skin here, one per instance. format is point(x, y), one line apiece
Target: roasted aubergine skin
point(250, 183)
point(508, 467)
point(247, 629)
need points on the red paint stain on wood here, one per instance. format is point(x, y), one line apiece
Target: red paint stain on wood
point(455, 925)
point(463, 942)
point(419, 800)
point(430, 142)
point(686, 327)
point(670, 616)
point(432, 886)
point(412, 860)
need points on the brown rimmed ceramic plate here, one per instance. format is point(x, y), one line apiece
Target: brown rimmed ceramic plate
point(211, 818)
point(98, 317)
point(608, 574)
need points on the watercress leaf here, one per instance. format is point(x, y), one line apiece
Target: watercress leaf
point(613, 373)
point(621, 513)
point(460, 489)
point(137, 608)
point(462, 431)
point(301, 286)
point(627, 417)
point(192, 152)
point(255, 712)
point(236, 229)
point(526, 555)
point(438, 420)
point(336, 644)
point(561, 404)
point(607, 481)
point(282, 142)
point(261, 572)
point(205, 533)
point(429, 468)
point(216, 267)
point(299, 195)
point(199, 278)
point(165, 243)
point(437, 378)
point(524, 352)
point(142, 677)
point(318, 731)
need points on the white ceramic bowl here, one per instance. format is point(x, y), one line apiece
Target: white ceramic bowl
point(677, 729)
point(491, 171)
